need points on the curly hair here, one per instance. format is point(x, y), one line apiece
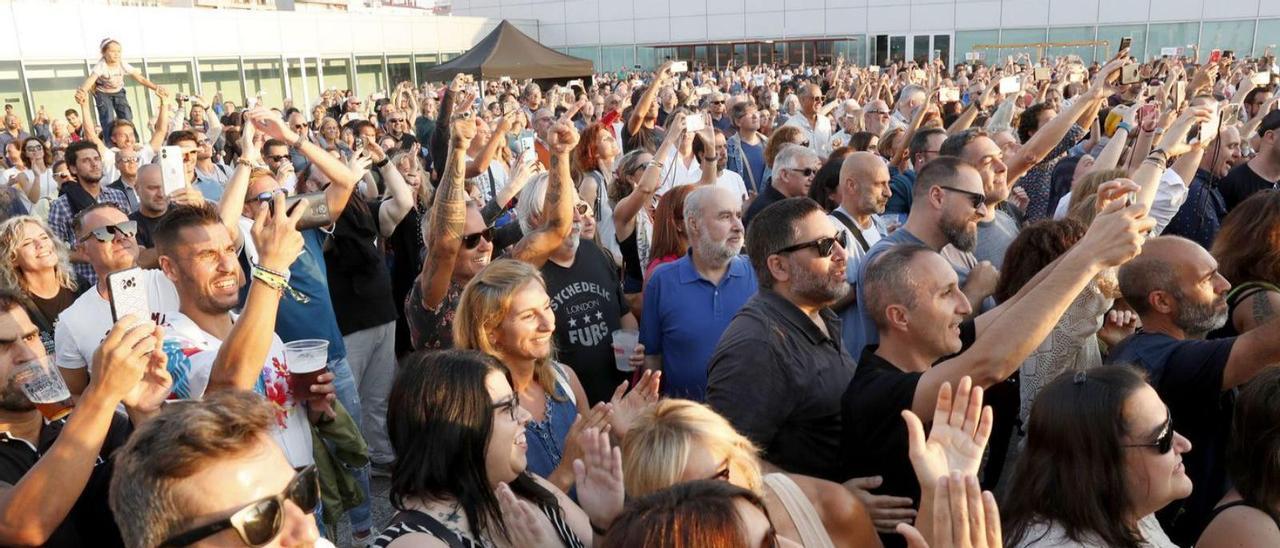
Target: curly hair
point(11, 232)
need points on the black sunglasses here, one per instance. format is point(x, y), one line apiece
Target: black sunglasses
point(509, 406)
point(975, 198)
point(470, 241)
point(824, 245)
point(1164, 442)
point(277, 157)
point(259, 521)
point(807, 172)
point(127, 229)
point(268, 195)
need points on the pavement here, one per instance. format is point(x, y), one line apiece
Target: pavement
point(380, 488)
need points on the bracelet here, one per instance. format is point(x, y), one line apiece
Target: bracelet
point(383, 163)
point(1158, 155)
point(1125, 126)
point(654, 163)
point(246, 163)
point(277, 273)
point(278, 283)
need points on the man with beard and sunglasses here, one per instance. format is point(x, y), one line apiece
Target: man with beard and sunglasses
point(1175, 288)
point(85, 164)
point(106, 237)
point(914, 298)
point(54, 474)
point(780, 367)
point(208, 474)
point(947, 204)
point(459, 245)
point(689, 304)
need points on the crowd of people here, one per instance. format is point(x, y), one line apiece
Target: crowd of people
point(1023, 302)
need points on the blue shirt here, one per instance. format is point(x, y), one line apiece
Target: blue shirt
point(901, 184)
point(209, 188)
point(755, 162)
point(315, 318)
point(684, 316)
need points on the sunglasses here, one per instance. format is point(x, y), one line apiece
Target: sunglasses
point(878, 113)
point(803, 144)
point(509, 406)
point(1164, 442)
point(825, 246)
point(975, 198)
point(395, 120)
point(258, 522)
point(127, 229)
point(470, 241)
point(807, 172)
point(268, 195)
point(277, 157)
point(723, 473)
point(722, 102)
point(299, 126)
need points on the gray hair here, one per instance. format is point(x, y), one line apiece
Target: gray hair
point(529, 89)
point(529, 204)
point(790, 157)
point(696, 201)
point(908, 91)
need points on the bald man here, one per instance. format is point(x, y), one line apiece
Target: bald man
point(863, 190)
point(1175, 288)
point(815, 124)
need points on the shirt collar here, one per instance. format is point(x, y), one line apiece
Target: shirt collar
point(689, 273)
point(792, 314)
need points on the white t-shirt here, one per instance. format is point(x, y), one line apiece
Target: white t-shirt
point(819, 134)
point(83, 325)
point(291, 430)
point(111, 80)
point(730, 180)
point(675, 173)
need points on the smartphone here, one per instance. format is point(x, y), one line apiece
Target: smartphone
point(875, 69)
point(1210, 127)
point(918, 75)
point(679, 67)
point(1125, 42)
point(1261, 78)
point(1043, 74)
point(1010, 84)
point(572, 83)
point(1075, 77)
point(1129, 74)
point(171, 173)
point(529, 156)
point(359, 143)
point(948, 95)
point(526, 143)
point(317, 214)
point(694, 122)
point(1215, 56)
point(127, 294)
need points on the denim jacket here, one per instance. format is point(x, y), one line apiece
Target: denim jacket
point(736, 161)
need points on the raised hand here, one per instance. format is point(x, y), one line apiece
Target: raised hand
point(886, 511)
point(598, 478)
point(122, 359)
point(964, 516)
point(1174, 141)
point(275, 233)
point(1117, 234)
point(562, 137)
point(628, 406)
point(526, 526)
point(961, 427)
point(149, 394)
point(1114, 190)
point(462, 127)
point(358, 163)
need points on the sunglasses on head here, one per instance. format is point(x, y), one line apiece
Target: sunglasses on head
point(975, 198)
point(470, 241)
point(1164, 442)
point(825, 246)
point(105, 234)
point(260, 521)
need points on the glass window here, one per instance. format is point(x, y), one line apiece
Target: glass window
point(897, 49)
point(1236, 36)
point(1172, 35)
point(740, 54)
point(337, 74)
point(369, 76)
point(53, 86)
point(1021, 36)
point(592, 53)
point(303, 95)
point(967, 40)
point(618, 58)
point(398, 69)
point(647, 58)
point(12, 94)
point(1113, 34)
point(723, 54)
point(1268, 32)
point(942, 47)
point(222, 76)
point(920, 49)
point(1071, 34)
point(424, 61)
point(175, 76)
point(262, 79)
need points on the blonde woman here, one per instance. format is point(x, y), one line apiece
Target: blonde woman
point(34, 263)
point(505, 312)
point(680, 441)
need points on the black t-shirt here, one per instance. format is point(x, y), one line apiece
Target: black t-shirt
point(765, 199)
point(90, 522)
point(146, 225)
point(359, 282)
point(1240, 183)
point(1188, 376)
point(404, 252)
point(588, 304)
point(45, 315)
point(640, 140)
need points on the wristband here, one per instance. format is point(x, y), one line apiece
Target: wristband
point(1158, 154)
point(383, 163)
point(246, 163)
point(1125, 126)
point(278, 283)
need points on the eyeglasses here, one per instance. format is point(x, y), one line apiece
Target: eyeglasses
point(128, 160)
point(722, 102)
point(881, 113)
point(260, 521)
point(299, 126)
point(807, 172)
point(395, 120)
point(268, 195)
point(509, 406)
point(470, 241)
point(105, 234)
point(1164, 442)
point(975, 198)
point(825, 246)
point(803, 144)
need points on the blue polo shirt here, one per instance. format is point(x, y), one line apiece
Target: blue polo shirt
point(684, 316)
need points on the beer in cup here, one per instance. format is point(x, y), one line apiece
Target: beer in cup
point(307, 359)
point(624, 344)
point(40, 380)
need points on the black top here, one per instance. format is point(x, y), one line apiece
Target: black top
point(632, 270)
point(638, 141)
point(588, 305)
point(1240, 183)
point(1188, 376)
point(90, 522)
point(145, 226)
point(44, 312)
point(1235, 296)
point(359, 282)
point(404, 252)
point(778, 379)
point(765, 199)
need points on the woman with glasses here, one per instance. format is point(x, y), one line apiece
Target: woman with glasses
point(632, 192)
point(1101, 458)
point(680, 441)
point(34, 263)
point(35, 180)
point(460, 476)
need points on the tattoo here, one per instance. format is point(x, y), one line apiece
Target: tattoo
point(1262, 312)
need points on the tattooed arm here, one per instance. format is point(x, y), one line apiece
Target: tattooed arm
point(536, 248)
point(1255, 310)
point(443, 231)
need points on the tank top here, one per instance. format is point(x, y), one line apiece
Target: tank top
point(1236, 296)
point(546, 437)
point(413, 521)
point(1220, 509)
point(808, 524)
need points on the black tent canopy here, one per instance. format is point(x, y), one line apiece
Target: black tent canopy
point(508, 52)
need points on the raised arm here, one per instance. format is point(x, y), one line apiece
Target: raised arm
point(399, 194)
point(557, 207)
point(448, 215)
point(1049, 136)
point(160, 130)
point(497, 138)
point(638, 112)
point(1173, 143)
point(1113, 238)
point(342, 180)
point(231, 207)
point(624, 214)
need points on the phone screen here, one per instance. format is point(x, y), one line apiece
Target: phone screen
point(1125, 43)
